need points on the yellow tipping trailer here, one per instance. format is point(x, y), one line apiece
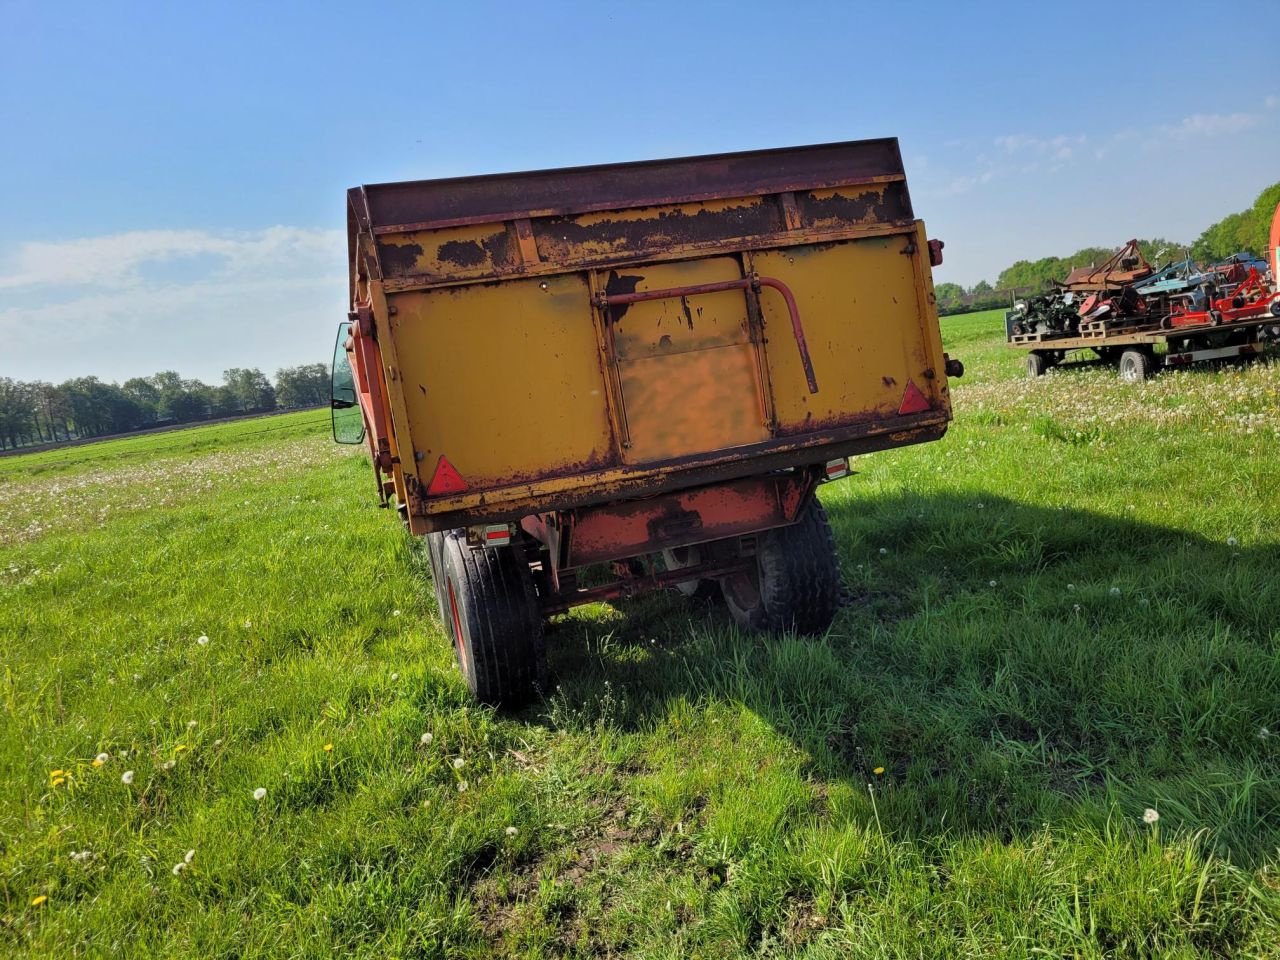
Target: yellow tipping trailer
point(615, 363)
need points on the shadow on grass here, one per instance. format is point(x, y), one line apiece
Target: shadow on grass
point(1007, 666)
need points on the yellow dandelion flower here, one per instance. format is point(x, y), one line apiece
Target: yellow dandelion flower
point(97, 762)
point(59, 781)
point(57, 773)
point(179, 748)
point(37, 901)
point(879, 771)
point(328, 748)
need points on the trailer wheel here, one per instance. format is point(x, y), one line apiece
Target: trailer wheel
point(679, 557)
point(491, 611)
point(796, 581)
point(1275, 308)
point(1035, 365)
point(435, 550)
point(1135, 366)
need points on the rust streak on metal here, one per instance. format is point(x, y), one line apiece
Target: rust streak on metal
point(524, 237)
point(790, 212)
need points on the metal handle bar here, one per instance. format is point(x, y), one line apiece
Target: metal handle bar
point(753, 283)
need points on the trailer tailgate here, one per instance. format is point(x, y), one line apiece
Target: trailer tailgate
point(573, 336)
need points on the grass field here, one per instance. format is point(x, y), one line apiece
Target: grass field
point(1066, 616)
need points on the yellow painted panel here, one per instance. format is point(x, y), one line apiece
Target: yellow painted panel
point(503, 379)
point(686, 364)
point(865, 329)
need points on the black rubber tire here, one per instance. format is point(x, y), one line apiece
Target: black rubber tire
point(1035, 365)
point(688, 557)
point(1135, 366)
point(796, 582)
point(491, 612)
point(1275, 308)
point(435, 548)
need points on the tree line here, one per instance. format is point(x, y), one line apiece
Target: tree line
point(1246, 232)
point(34, 412)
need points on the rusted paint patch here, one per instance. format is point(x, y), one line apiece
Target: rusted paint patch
point(462, 253)
point(399, 259)
point(562, 238)
point(886, 203)
point(621, 283)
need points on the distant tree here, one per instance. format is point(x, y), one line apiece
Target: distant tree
point(99, 408)
point(1246, 232)
point(1229, 235)
point(304, 386)
point(249, 389)
point(948, 292)
point(981, 287)
point(1264, 209)
point(17, 412)
point(145, 394)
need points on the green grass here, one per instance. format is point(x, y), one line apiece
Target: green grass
point(1066, 614)
point(181, 441)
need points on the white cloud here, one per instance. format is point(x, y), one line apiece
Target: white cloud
point(132, 303)
point(1212, 124)
point(1060, 147)
point(115, 260)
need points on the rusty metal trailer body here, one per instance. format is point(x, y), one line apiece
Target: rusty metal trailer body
point(606, 364)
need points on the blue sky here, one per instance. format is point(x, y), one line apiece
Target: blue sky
point(172, 176)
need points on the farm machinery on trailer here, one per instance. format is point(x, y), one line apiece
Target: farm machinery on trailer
point(645, 369)
point(1142, 319)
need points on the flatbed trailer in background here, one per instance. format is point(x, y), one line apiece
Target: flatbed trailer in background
point(1143, 328)
point(1140, 352)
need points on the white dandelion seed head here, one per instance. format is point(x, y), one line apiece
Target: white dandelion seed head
point(203, 639)
point(1071, 586)
point(458, 763)
point(169, 764)
point(218, 742)
point(1150, 815)
point(126, 777)
point(883, 551)
point(103, 757)
point(1232, 541)
point(178, 868)
point(191, 724)
point(462, 786)
point(259, 793)
point(425, 739)
point(1264, 733)
point(1076, 607)
point(81, 856)
point(395, 677)
point(395, 613)
point(991, 583)
point(512, 831)
point(1115, 591)
point(190, 855)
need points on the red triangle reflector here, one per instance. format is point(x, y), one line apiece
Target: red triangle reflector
point(446, 480)
point(913, 401)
